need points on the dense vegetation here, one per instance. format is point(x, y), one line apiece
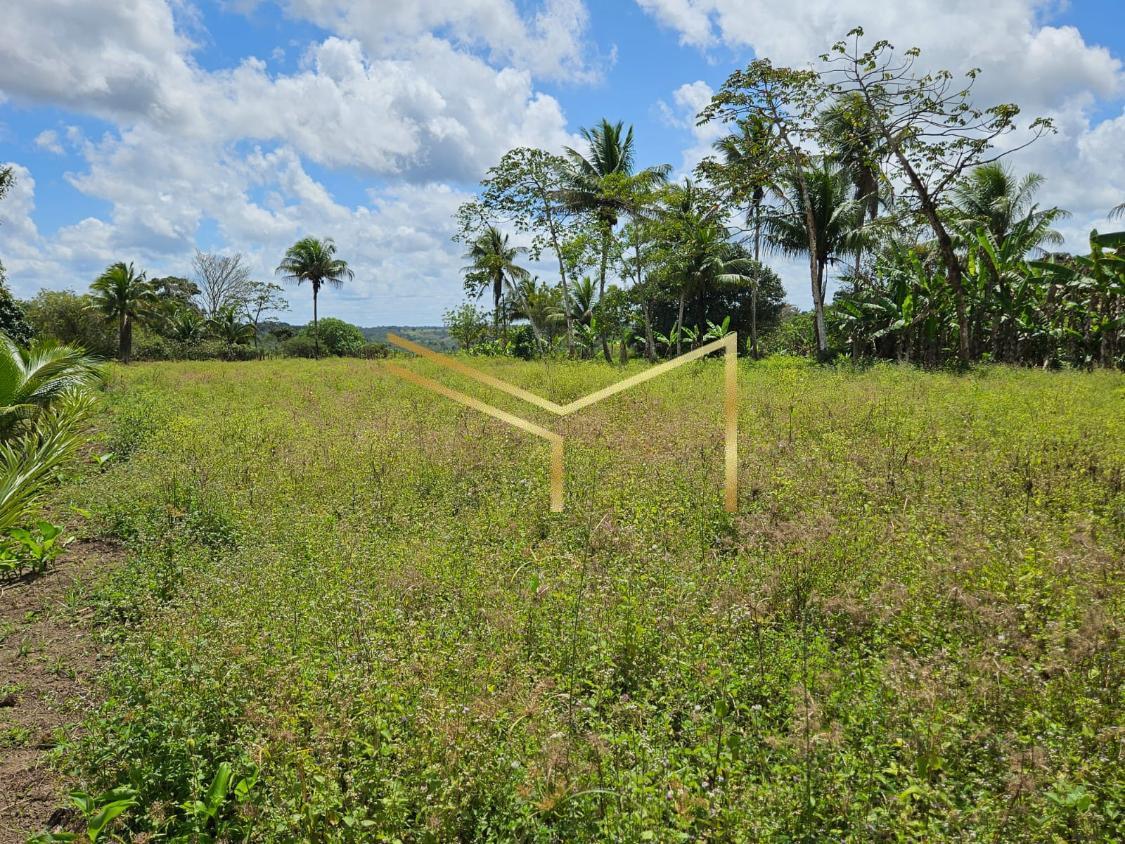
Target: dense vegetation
point(889, 177)
point(910, 630)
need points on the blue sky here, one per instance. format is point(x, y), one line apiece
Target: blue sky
point(143, 129)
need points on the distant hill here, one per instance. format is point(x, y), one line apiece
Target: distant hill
point(434, 336)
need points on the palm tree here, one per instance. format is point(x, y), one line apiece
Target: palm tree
point(314, 260)
point(228, 326)
point(990, 196)
point(1117, 212)
point(541, 305)
point(493, 265)
point(124, 296)
point(45, 396)
point(33, 379)
point(185, 325)
point(602, 183)
point(991, 204)
point(858, 147)
point(838, 219)
point(749, 152)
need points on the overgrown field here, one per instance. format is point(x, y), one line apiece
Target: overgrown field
point(352, 591)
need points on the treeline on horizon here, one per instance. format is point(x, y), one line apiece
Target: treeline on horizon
point(888, 176)
point(891, 178)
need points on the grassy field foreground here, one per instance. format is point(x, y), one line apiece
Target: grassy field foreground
point(353, 592)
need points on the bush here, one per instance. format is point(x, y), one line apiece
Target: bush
point(13, 322)
point(65, 316)
point(794, 335)
point(299, 346)
point(336, 338)
point(372, 351)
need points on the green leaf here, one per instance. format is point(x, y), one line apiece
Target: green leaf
point(220, 787)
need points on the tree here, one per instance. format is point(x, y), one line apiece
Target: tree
point(70, 318)
point(598, 184)
point(263, 297)
point(787, 102)
point(493, 266)
point(223, 281)
point(227, 325)
point(745, 172)
point(123, 297)
point(467, 325)
point(173, 288)
point(991, 196)
point(338, 337)
point(524, 189)
point(13, 320)
point(837, 217)
point(994, 215)
point(186, 325)
point(33, 379)
point(541, 305)
point(695, 251)
point(932, 132)
point(855, 144)
point(314, 260)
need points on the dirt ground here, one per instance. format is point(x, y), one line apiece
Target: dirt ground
point(47, 662)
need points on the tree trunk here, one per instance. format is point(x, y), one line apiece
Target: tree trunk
point(700, 316)
point(754, 319)
point(754, 288)
point(680, 322)
point(601, 292)
point(562, 278)
point(650, 341)
point(316, 322)
point(125, 339)
point(650, 344)
point(816, 271)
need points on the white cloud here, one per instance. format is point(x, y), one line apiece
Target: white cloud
point(549, 43)
point(228, 149)
point(687, 101)
point(1048, 70)
point(111, 59)
point(48, 139)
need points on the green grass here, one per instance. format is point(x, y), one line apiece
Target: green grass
point(910, 631)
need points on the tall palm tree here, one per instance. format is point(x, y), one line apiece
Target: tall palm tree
point(493, 266)
point(33, 379)
point(314, 260)
point(857, 145)
point(838, 218)
point(599, 184)
point(1117, 212)
point(748, 152)
point(123, 296)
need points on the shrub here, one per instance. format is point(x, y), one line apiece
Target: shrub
point(65, 316)
point(337, 338)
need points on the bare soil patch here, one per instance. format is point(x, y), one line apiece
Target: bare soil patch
point(48, 659)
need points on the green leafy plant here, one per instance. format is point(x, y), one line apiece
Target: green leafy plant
point(98, 812)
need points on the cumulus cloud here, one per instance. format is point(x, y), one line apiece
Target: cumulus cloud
point(550, 42)
point(1048, 70)
point(48, 139)
point(393, 103)
point(687, 101)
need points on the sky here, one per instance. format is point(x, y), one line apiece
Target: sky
point(142, 130)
